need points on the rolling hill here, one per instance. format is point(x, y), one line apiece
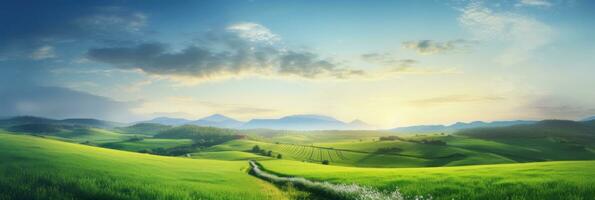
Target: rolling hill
point(528, 181)
point(144, 128)
point(13, 121)
point(37, 168)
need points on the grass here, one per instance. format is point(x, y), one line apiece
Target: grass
point(38, 168)
point(147, 144)
point(229, 155)
point(365, 153)
point(542, 180)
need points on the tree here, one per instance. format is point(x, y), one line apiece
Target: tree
point(279, 156)
point(270, 153)
point(325, 162)
point(256, 149)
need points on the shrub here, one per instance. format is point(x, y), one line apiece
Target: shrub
point(256, 149)
point(279, 156)
point(390, 138)
point(325, 162)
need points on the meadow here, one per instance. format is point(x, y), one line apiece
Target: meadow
point(72, 161)
point(538, 181)
point(38, 168)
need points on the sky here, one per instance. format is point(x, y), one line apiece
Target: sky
point(389, 63)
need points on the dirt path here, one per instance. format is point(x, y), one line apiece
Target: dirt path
point(326, 189)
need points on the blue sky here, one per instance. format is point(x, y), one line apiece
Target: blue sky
point(389, 63)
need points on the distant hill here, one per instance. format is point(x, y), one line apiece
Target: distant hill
point(202, 136)
point(302, 122)
point(217, 120)
point(458, 126)
point(566, 129)
point(144, 128)
point(167, 121)
point(92, 123)
point(22, 120)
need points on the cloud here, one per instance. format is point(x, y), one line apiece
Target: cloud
point(520, 33)
point(112, 18)
point(43, 52)
point(429, 47)
point(245, 48)
point(254, 32)
point(449, 99)
point(387, 60)
point(537, 3)
point(48, 25)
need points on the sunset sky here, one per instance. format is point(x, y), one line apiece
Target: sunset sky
point(389, 63)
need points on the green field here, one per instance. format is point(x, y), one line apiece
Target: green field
point(147, 144)
point(58, 161)
point(545, 180)
point(37, 168)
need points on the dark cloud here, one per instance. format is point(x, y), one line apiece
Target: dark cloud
point(428, 47)
point(36, 28)
point(221, 53)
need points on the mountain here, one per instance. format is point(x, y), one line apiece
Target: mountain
point(359, 125)
point(458, 126)
point(298, 122)
point(588, 119)
point(167, 121)
point(23, 120)
point(218, 120)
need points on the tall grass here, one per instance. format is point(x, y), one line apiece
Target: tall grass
point(326, 189)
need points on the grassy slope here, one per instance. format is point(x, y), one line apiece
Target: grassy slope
point(363, 154)
point(71, 133)
point(544, 180)
point(147, 144)
point(37, 168)
point(229, 155)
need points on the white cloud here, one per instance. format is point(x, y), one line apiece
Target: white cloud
point(537, 3)
point(254, 32)
point(43, 52)
point(521, 34)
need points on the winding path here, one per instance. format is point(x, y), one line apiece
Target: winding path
point(326, 189)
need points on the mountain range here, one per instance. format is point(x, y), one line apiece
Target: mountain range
point(459, 126)
point(292, 122)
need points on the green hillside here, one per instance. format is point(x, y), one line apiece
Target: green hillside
point(144, 129)
point(74, 133)
point(37, 168)
point(147, 144)
point(538, 181)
